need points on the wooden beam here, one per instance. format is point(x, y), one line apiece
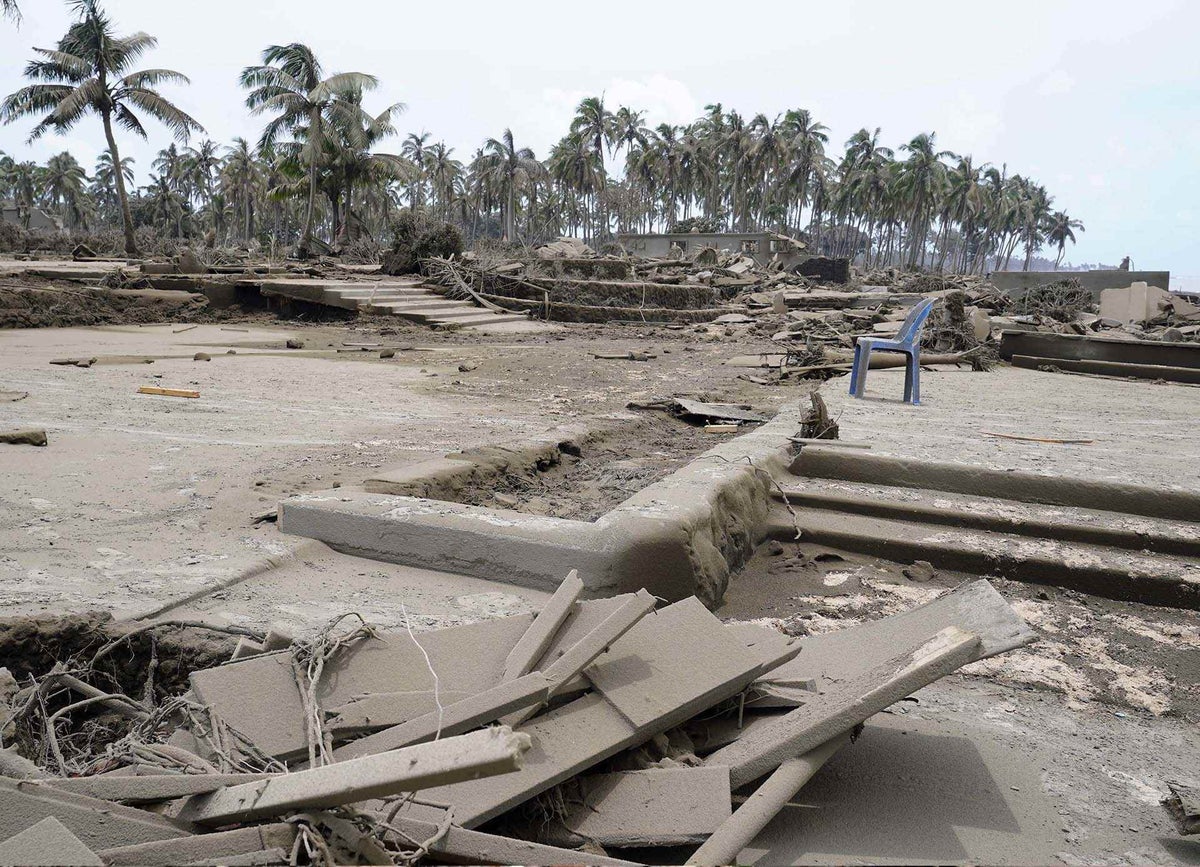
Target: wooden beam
point(537, 638)
point(486, 707)
point(168, 392)
point(468, 757)
point(760, 808)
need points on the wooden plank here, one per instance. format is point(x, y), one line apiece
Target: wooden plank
point(843, 705)
point(259, 696)
point(974, 606)
point(578, 656)
point(531, 689)
point(467, 757)
point(669, 662)
point(579, 735)
point(202, 847)
point(383, 710)
point(147, 789)
point(99, 824)
point(461, 846)
point(168, 392)
point(763, 805)
point(48, 842)
point(522, 658)
point(656, 807)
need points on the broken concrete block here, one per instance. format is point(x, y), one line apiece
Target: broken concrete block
point(49, 843)
point(844, 705)
point(99, 824)
point(466, 757)
point(656, 807)
point(1139, 302)
point(203, 847)
point(981, 323)
point(246, 647)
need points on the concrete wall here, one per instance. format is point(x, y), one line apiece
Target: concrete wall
point(689, 242)
point(1015, 283)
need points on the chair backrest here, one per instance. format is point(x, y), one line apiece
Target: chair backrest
point(910, 331)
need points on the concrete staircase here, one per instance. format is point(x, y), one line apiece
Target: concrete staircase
point(405, 297)
point(948, 521)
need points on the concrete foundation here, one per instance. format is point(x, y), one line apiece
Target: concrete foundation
point(681, 536)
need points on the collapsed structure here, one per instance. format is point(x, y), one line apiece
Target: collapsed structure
point(623, 722)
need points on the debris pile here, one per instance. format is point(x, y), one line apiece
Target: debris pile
point(593, 727)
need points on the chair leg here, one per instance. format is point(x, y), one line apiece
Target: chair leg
point(913, 380)
point(854, 371)
point(908, 378)
point(864, 364)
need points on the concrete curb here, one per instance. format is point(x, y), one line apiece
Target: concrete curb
point(681, 536)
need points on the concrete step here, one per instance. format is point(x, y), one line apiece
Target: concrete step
point(1099, 570)
point(1014, 517)
point(484, 319)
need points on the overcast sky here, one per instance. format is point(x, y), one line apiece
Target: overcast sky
point(1098, 100)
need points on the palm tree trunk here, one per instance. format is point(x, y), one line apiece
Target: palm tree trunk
point(126, 215)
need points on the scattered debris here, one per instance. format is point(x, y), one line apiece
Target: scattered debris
point(12, 396)
point(1028, 439)
point(201, 356)
point(701, 413)
point(501, 720)
point(294, 343)
point(167, 392)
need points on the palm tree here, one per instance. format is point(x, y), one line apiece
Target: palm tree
point(89, 72)
point(63, 187)
point(241, 177)
point(1062, 229)
point(289, 84)
point(10, 9)
point(22, 180)
point(508, 167)
point(593, 126)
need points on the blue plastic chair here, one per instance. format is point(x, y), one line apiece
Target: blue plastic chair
point(908, 341)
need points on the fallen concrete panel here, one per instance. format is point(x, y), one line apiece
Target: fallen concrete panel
point(203, 847)
point(845, 705)
point(467, 757)
point(1016, 283)
point(545, 626)
point(656, 807)
point(832, 463)
point(48, 842)
point(471, 712)
point(99, 824)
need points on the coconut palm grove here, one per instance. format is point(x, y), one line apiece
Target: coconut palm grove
point(332, 168)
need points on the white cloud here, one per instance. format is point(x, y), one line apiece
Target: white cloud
point(1056, 83)
point(968, 127)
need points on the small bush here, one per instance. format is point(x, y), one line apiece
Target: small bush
point(416, 236)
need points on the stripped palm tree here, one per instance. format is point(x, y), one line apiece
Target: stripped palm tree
point(509, 167)
point(89, 72)
point(289, 84)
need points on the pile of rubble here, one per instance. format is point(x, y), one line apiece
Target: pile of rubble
point(584, 734)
